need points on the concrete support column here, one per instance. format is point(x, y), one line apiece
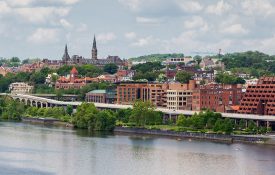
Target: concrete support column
point(246, 123)
point(267, 124)
point(36, 104)
point(257, 122)
point(47, 105)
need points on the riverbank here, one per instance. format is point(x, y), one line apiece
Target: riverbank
point(254, 139)
point(197, 136)
point(47, 121)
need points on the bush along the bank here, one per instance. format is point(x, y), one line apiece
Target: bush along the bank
point(88, 117)
point(210, 121)
point(142, 114)
point(11, 109)
point(54, 112)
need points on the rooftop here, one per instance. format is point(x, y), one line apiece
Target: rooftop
point(97, 92)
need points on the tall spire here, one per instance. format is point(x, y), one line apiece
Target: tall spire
point(66, 56)
point(94, 50)
point(94, 43)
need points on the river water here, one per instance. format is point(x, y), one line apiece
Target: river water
point(36, 150)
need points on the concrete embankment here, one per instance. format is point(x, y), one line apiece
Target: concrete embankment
point(193, 135)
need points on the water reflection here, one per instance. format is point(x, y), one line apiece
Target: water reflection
point(30, 149)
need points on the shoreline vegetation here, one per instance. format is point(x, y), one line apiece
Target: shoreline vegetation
point(143, 117)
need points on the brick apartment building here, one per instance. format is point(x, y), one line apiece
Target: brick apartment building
point(259, 98)
point(217, 97)
point(173, 95)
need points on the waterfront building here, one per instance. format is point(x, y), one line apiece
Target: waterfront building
point(216, 97)
point(20, 88)
point(96, 96)
point(171, 95)
point(107, 95)
point(259, 98)
point(128, 93)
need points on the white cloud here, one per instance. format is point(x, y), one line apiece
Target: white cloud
point(259, 7)
point(4, 8)
point(132, 4)
point(196, 22)
point(42, 14)
point(106, 37)
point(235, 29)
point(69, 2)
point(190, 6)
point(145, 20)
point(44, 35)
point(66, 24)
point(219, 8)
point(130, 35)
point(142, 42)
point(82, 27)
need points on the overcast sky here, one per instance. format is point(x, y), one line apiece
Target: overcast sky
point(41, 28)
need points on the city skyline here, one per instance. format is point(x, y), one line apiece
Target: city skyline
point(130, 28)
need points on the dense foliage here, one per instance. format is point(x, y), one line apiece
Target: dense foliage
point(110, 68)
point(88, 117)
point(11, 109)
point(183, 77)
point(148, 71)
point(256, 63)
point(55, 112)
point(157, 57)
point(226, 78)
point(209, 120)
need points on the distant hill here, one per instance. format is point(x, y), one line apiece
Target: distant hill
point(157, 57)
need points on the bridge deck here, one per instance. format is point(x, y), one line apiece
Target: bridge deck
point(117, 106)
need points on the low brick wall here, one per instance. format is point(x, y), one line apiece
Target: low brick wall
point(213, 137)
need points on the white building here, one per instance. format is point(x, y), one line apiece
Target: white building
point(20, 88)
point(179, 99)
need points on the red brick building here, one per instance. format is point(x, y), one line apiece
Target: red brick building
point(73, 82)
point(259, 98)
point(216, 97)
point(161, 95)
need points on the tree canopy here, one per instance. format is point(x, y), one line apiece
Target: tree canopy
point(183, 77)
point(110, 68)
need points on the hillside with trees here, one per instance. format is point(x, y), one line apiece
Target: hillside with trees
point(157, 57)
point(251, 62)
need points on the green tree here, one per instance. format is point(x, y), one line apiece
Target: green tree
point(111, 68)
point(85, 116)
point(198, 59)
point(183, 77)
point(69, 110)
point(141, 113)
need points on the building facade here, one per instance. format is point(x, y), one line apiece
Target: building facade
point(216, 97)
point(73, 81)
point(96, 96)
point(259, 98)
point(172, 95)
point(20, 88)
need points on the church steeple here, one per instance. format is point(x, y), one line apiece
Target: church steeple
point(94, 50)
point(66, 56)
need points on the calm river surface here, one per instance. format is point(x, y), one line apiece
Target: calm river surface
point(36, 150)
